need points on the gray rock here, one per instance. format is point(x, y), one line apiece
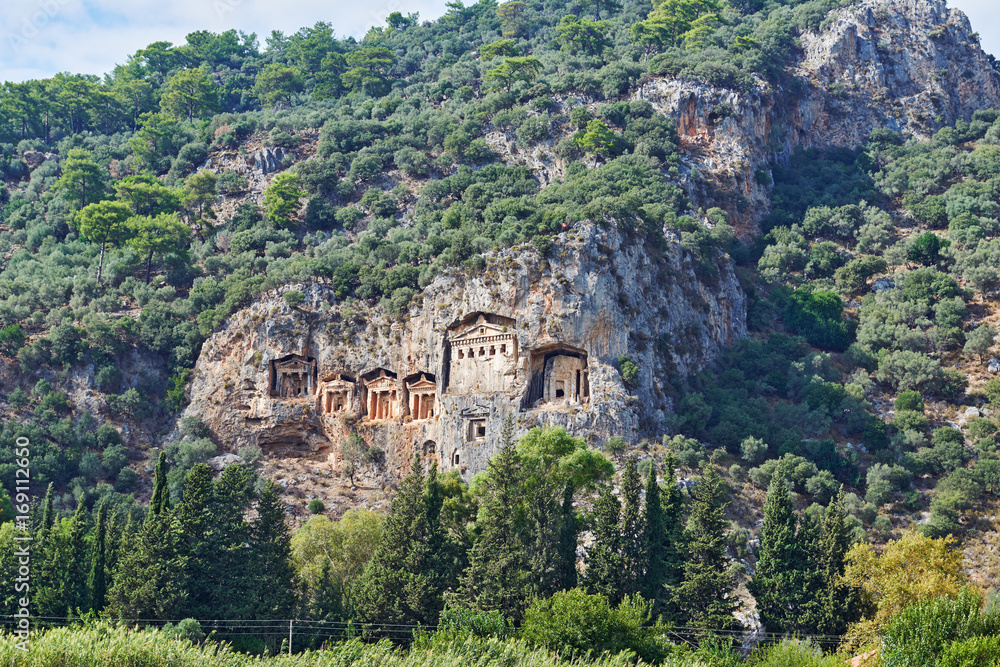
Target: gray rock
point(883, 285)
point(993, 366)
point(268, 160)
point(220, 463)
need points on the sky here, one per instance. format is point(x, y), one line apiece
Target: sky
point(39, 38)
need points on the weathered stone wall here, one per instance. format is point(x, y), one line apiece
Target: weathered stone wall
point(600, 295)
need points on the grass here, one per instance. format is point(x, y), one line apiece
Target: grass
point(104, 645)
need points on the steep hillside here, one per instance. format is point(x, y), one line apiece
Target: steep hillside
point(762, 235)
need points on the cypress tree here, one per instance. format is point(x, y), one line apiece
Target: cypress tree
point(148, 582)
point(497, 574)
point(48, 514)
point(705, 597)
point(227, 577)
point(839, 603)
point(62, 577)
point(604, 560)
point(653, 540)
point(193, 525)
point(97, 581)
point(400, 584)
point(566, 574)
point(160, 500)
point(632, 529)
point(778, 584)
point(270, 558)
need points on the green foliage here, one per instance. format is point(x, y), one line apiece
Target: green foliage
point(818, 316)
point(281, 200)
point(574, 623)
point(316, 506)
point(909, 400)
point(922, 631)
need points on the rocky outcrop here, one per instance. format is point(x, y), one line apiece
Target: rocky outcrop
point(911, 66)
point(531, 338)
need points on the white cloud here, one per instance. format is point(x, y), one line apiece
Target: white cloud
point(41, 37)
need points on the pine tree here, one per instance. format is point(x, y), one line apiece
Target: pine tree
point(270, 558)
point(778, 584)
point(632, 529)
point(662, 540)
point(604, 560)
point(498, 569)
point(705, 598)
point(97, 581)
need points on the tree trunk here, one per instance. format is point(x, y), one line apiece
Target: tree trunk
point(100, 264)
point(149, 264)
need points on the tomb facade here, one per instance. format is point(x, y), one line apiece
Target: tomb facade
point(381, 396)
point(559, 376)
point(337, 394)
point(292, 376)
point(482, 355)
point(421, 392)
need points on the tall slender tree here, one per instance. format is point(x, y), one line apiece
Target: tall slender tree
point(397, 586)
point(662, 540)
point(97, 581)
point(632, 529)
point(498, 569)
point(566, 574)
point(604, 560)
point(779, 582)
point(270, 558)
point(706, 598)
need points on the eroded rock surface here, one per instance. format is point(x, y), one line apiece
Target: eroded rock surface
point(536, 339)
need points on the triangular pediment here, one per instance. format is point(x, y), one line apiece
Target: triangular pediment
point(382, 383)
point(423, 384)
point(478, 330)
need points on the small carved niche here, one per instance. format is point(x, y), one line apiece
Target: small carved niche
point(430, 451)
point(292, 376)
point(476, 430)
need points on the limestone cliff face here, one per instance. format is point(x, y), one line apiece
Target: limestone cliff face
point(536, 339)
point(908, 65)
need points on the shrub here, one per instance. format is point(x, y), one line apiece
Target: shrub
point(909, 400)
point(475, 623)
point(12, 338)
point(616, 445)
point(573, 622)
point(316, 506)
point(114, 459)
point(794, 653)
point(188, 629)
point(108, 379)
point(629, 370)
point(18, 398)
point(753, 450)
point(971, 652)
